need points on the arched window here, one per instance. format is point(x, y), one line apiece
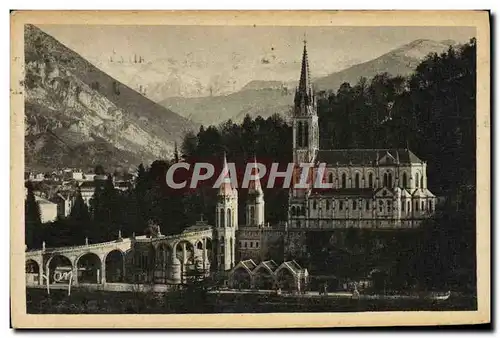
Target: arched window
point(381, 206)
point(229, 223)
point(299, 134)
point(314, 205)
point(422, 181)
point(344, 185)
point(367, 205)
point(423, 206)
point(417, 180)
point(409, 206)
point(354, 205)
point(306, 134)
point(416, 205)
point(389, 204)
point(403, 206)
point(405, 181)
point(389, 180)
point(385, 179)
point(330, 178)
point(252, 215)
point(327, 205)
point(294, 212)
point(221, 217)
point(356, 181)
point(430, 205)
point(370, 180)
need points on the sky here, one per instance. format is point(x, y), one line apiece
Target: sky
point(240, 52)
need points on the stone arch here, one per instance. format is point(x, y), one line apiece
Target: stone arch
point(371, 175)
point(286, 279)
point(32, 271)
point(32, 266)
point(357, 179)
point(114, 264)
point(405, 180)
point(185, 253)
point(130, 265)
point(306, 134)
point(221, 218)
point(163, 256)
point(343, 183)
point(89, 268)
point(199, 244)
point(58, 263)
point(229, 222)
point(241, 278)
point(264, 278)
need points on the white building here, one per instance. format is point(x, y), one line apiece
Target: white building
point(370, 188)
point(48, 210)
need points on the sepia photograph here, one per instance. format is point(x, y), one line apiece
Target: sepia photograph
point(210, 164)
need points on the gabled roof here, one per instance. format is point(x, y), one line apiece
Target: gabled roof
point(270, 266)
point(292, 266)
point(249, 265)
point(384, 192)
point(405, 193)
point(366, 156)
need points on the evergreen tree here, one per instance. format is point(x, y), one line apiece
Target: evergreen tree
point(32, 217)
point(79, 219)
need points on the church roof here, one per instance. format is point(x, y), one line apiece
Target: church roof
point(367, 156)
point(339, 193)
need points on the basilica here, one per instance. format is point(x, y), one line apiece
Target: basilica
point(377, 189)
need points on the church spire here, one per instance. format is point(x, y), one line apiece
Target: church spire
point(304, 92)
point(254, 186)
point(305, 79)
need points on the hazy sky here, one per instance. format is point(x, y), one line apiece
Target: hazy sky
point(216, 46)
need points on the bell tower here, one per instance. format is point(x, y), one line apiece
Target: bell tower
point(305, 119)
point(255, 201)
point(226, 218)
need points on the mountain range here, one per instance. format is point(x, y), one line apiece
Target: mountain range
point(268, 97)
point(78, 116)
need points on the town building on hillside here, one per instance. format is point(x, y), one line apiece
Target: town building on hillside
point(64, 200)
point(48, 209)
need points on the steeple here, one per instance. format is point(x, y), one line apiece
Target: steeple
point(304, 93)
point(226, 188)
point(255, 201)
point(254, 186)
point(305, 79)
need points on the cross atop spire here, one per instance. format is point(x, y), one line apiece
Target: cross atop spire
point(305, 80)
point(304, 90)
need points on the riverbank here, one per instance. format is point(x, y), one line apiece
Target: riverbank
point(104, 302)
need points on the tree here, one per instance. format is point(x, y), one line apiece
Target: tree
point(79, 218)
point(99, 170)
point(32, 217)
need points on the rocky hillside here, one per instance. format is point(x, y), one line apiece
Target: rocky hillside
point(76, 115)
point(268, 97)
